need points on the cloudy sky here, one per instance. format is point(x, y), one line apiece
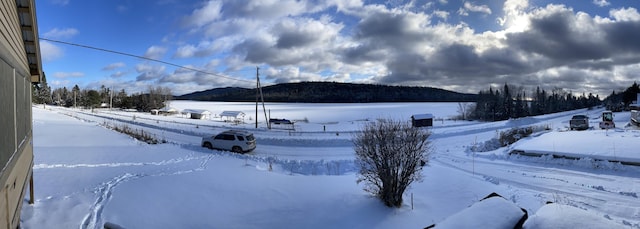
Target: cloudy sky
point(466, 46)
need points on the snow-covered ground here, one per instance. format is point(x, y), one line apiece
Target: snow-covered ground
point(86, 174)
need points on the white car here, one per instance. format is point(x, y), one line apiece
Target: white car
point(238, 141)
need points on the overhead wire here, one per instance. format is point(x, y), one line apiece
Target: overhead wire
point(144, 58)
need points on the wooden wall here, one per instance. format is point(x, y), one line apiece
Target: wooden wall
point(16, 143)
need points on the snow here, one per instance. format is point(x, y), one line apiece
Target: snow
point(422, 116)
point(494, 212)
point(563, 216)
point(611, 145)
point(87, 175)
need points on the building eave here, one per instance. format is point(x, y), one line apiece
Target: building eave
point(29, 28)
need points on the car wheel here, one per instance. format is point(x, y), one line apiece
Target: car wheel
point(207, 145)
point(236, 149)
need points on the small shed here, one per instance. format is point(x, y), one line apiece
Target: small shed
point(281, 124)
point(233, 116)
point(197, 113)
point(167, 111)
point(420, 120)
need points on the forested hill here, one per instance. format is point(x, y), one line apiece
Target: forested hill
point(330, 92)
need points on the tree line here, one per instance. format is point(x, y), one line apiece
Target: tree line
point(619, 101)
point(332, 92)
point(513, 102)
point(154, 98)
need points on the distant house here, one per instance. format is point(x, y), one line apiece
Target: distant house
point(420, 120)
point(197, 113)
point(232, 116)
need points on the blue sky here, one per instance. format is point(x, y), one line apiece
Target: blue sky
point(466, 46)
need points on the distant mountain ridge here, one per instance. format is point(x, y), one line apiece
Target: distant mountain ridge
point(331, 92)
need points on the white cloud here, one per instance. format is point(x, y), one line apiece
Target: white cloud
point(625, 14)
point(59, 83)
point(206, 48)
point(185, 51)
point(49, 51)
point(56, 33)
point(113, 66)
point(463, 12)
point(601, 3)
point(515, 17)
point(468, 6)
point(205, 15)
point(441, 14)
point(117, 74)
point(145, 67)
point(64, 75)
point(148, 72)
point(155, 52)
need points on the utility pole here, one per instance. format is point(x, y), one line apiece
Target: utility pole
point(264, 109)
point(110, 99)
point(257, 93)
point(258, 97)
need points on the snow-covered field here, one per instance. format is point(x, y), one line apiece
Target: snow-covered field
point(87, 175)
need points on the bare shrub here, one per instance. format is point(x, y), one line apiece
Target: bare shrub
point(512, 135)
point(390, 155)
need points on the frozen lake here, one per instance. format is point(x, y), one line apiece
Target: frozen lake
point(326, 112)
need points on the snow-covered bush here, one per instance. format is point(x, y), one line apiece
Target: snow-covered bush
point(390, 155)
point(514, 134)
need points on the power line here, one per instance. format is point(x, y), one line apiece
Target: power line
point(144, 58)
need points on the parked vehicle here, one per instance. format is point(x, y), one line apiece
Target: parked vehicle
point(238, 141)
point(579, 122)
point(607, 120)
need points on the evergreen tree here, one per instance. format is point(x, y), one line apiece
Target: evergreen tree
point(41, 92)
point(75, 95)
point(630, 94)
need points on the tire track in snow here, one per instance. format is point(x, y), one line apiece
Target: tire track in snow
point(94, 220)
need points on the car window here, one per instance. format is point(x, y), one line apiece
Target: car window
point(219, 136)
point(229, 137)
point(240, 138)
point(250, 137)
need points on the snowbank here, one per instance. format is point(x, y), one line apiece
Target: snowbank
point(610, 145)
point(564, 216)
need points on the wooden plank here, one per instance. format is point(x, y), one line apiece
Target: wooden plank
point(12, 34)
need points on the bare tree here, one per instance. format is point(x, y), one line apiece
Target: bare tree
point(390, 155)
point(465, 110)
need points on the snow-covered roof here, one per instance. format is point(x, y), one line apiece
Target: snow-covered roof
point(493, 212)
point(196, 111)
point(168, 109)
point(422, 116)
point(232, 114)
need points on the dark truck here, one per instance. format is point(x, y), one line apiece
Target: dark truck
point(579, 122)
